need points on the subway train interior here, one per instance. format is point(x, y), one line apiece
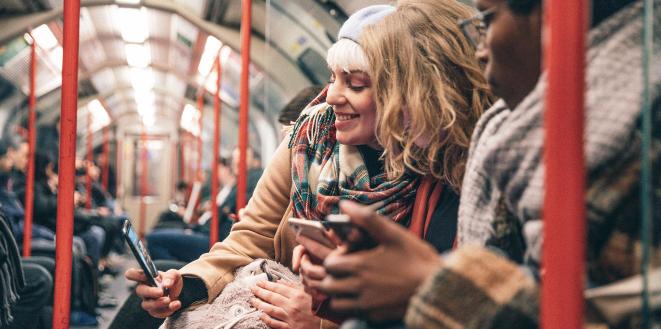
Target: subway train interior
point(145, 135)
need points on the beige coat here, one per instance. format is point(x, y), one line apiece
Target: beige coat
point(262, 231)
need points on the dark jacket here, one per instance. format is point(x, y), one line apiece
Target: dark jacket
point(228, 207)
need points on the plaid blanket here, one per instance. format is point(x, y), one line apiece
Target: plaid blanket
point(503, 188)
point(325, 172)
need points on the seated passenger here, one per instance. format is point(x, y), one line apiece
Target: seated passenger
point(10, 205)
point(45, 207)
point(188, 245)
point(332, 154)
point(501, 205)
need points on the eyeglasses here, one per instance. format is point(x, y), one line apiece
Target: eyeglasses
point(475, 27)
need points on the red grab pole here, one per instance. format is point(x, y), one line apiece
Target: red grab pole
point(106, 155)
point(213, 236)
point(200, 106)
point(90, 159)
point(143, 184)
point(119, 148)
point(32, 142)
point(182, 146)
point(64, 231)
point(246, 31)
point(564, 200)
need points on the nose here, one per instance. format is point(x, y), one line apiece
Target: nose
point(335, 94)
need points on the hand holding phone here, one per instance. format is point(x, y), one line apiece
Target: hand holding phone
point(355, 237)
point(140, 253)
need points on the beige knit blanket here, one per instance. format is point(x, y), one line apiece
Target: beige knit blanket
point(232, 308)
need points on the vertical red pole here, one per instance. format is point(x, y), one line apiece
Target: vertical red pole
point(564, 201)
point(143, 183)
point(200, 106)
point(173, 148)
point(69, 107)
point(246, 31)
point(32, 142)
point(106, 155)
point(119, 148)
point(90, 159)
point(182, 145)
point(213, 236)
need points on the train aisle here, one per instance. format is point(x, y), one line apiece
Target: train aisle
point(115, 288)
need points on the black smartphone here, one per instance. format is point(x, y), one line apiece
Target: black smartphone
point(355, 237)
point(140, 253)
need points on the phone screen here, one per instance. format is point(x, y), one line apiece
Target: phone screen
point(140, 253)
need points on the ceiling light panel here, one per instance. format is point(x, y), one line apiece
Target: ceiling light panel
point(190, 119)
point(142, 80)
point(211, 48)
point(134, 24)
point(100, 117)
point(138, 55)
point(45, 37)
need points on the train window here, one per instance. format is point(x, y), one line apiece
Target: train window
point(147, 176)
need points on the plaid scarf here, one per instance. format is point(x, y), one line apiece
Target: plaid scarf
point(325, 172)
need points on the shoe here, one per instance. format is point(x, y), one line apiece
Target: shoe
point(81, 318)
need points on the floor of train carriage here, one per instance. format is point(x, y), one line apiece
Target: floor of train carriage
point(117, 288)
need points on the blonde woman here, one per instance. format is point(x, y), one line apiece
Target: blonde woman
point(332, 154)
point(429, 94)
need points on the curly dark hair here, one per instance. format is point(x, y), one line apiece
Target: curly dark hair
point(601, 9)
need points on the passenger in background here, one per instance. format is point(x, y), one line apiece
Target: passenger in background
point(101, 160)
point(43, 252)
point(105, 214)
point(173, 217)
point(188, 244)
point(491, 280)
point(10, 205)
point(45, 207)
point(19, 153)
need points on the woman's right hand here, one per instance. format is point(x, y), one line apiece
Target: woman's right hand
point(155, 300)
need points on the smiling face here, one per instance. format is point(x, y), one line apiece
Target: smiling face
point(352, 97)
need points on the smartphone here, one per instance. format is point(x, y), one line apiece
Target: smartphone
point(311, 229)
point(140, 253)
point(355, 237)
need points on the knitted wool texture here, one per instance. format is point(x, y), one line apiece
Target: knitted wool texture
point(232, 308)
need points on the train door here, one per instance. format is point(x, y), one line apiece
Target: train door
point(146, 186)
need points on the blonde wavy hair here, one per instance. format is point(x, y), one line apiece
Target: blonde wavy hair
point(428, 85)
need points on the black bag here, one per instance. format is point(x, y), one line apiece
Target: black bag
point(86, 287)
point(84, 283)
